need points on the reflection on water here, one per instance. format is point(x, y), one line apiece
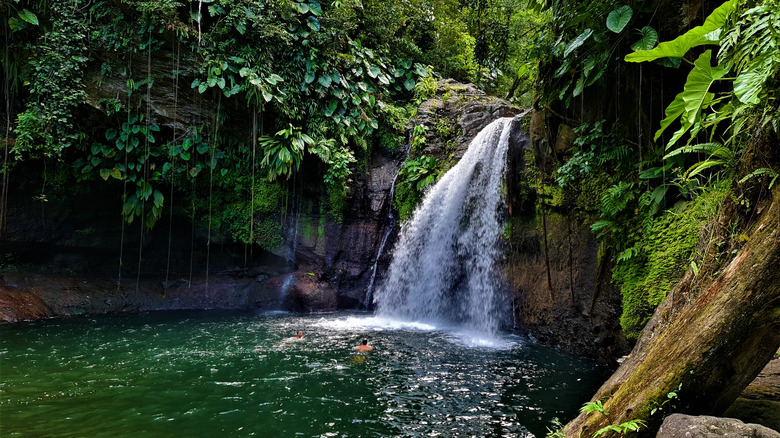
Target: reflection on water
point(229, 374)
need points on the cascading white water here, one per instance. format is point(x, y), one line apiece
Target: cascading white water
point(443, 265)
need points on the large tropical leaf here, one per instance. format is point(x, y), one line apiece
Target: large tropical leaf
point(697, 36)
point(28, 16)
point(688, 105)
point(619, 18)
point(648, 40)
point(576, 42)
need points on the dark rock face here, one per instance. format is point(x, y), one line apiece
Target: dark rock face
point(760, 402)
point(296, 291)
point(678, 425)
point(576, 307)
point(35, 296)
point(455, 115)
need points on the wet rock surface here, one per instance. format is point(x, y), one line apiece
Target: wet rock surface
point(678, 425)
point(760, 401)
point(575, 307)
point(36, 296)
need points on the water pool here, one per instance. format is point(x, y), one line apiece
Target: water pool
point(207, 374)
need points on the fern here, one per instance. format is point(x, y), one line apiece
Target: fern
point(617, 198)
point(764, 171)
point(718, 155)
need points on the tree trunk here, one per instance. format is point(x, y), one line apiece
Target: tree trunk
point(709, 338)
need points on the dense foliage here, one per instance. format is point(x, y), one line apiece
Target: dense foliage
point(204, 99)
point(655, 193)
point(229, 107)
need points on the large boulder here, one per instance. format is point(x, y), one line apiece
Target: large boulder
point(679, 425)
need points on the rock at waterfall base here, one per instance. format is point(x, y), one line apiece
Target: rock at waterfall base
point(679, 425)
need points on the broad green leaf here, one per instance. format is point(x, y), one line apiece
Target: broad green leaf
point(310, 76)
point(313, 23)
point(332, 106)
point(146, 191)
point(619, 18)
point(202, 148)
point(302, 7)
point(15, 24)
point(267, 96)
point(648, 40)
point(696, 90)
point(695, 37)
point(409, 84)
point(129, 205)
point(315, 7)
point(116, 173)
point(670, 62)
point(577, 42)
point(274, 79)
point(695, 96)
point(158, 198)
point(750, 83)
point(325, 81)
point(374, 71)
point(28, 16)
point(105, 173)
point(579, 87)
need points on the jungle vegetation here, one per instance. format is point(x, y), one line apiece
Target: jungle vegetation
point(273, 87)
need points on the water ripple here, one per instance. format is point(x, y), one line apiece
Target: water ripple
point(234, 375)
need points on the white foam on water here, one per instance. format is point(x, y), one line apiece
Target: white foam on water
point(454, 334)
point(373, 322)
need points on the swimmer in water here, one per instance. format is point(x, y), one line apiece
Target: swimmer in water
point(298, 337)
point(364, 347)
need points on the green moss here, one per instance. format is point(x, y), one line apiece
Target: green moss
point(336, 203)
point(445, 128)
point(269, 234)
point(268, 196)
point(586, 192)
point(662, 252)
point(389, 140)
point(406, 200)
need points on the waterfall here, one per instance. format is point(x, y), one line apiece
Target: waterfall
point(443, 265)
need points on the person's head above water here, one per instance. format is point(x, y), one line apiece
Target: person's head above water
point(299, 335)
point(363, 347)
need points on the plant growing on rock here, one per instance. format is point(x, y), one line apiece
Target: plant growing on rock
point(622, 428)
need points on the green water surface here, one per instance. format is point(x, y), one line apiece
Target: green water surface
point(232, 374)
